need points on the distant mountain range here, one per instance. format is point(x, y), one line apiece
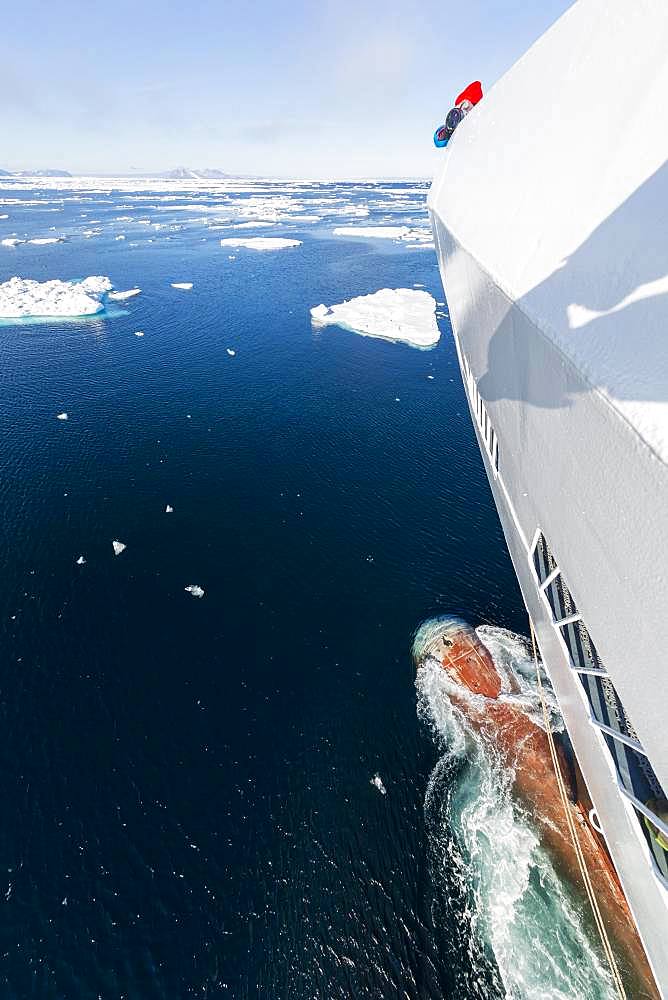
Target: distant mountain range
point(35, 173)
point(188, 174)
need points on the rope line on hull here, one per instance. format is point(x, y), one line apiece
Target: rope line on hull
point(591, 894)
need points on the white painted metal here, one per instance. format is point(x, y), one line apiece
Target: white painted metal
point(550, 216)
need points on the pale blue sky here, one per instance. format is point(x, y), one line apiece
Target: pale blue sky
point(345, 88)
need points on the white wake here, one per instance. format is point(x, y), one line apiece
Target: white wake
point(522, 914)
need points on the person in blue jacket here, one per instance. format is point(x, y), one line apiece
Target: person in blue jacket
point(463, 104)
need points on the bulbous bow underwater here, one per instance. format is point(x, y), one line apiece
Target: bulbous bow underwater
point(495, 699)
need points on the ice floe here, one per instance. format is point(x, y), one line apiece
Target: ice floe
point(194, 589)
point(22, 297)
point(399, 314)
point(377, 782)
point(118, 547)
point(382, 232)
point(261, 243)
point(121, 296)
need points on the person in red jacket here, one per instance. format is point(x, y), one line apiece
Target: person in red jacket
point(463, 104)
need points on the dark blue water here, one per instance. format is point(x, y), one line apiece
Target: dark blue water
point(185, 784)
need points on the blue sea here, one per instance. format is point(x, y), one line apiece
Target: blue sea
point(186, 784)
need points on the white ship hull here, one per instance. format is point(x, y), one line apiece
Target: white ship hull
point(579, 476)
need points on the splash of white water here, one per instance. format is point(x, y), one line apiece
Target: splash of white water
point(520, 909)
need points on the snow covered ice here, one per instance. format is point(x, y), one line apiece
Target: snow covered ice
point(399, 314)
point(382, 232)
point(21, 297)
point(261, 243)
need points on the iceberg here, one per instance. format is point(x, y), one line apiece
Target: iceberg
point(22, 297)
point(261, 243)
point(195, 590)
point(399, 314)
point(118, 547)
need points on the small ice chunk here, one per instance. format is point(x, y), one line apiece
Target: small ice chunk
point(430, 377)
point(260, 243)
point(185, 285)
point(194, 589)
point(230, 352)
point(399, 314)
point(81, 561)
point(377, 782)
point(42, 241)
point(139, 333)
point(120, 236)
point(118, 547)
point(169, 509)
point(11, 241)
point(61, 416)
point(120, 296)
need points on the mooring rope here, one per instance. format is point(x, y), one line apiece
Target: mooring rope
point(605, 940)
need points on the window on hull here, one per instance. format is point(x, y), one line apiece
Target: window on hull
point(635, 775)
point(488, 433)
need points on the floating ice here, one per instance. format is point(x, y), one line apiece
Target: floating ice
point(377, 782)
point(399, 314)
point(21, 297)
point(118, 547)
point(139, 333)
point(81, 561)
point(185, 285)
point(230, 352)
point(260, 243)
point(11, 241)
point(43, 240)
point(195, 590)
point(120, 237)
point(169, 509)
point(120, 296)
point(61, 416)
point(382, 232)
